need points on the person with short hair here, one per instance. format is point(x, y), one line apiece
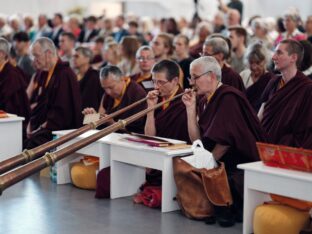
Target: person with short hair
point(119, 92)
point(162, 46)
point(67, 43)
point(90, 87)
point(223, 119)
point(218, 48)
point(286, 112)
point(90, 30)
point(146, 59)
point(21, 45)
point(181, 51)
point(238, 37)
point(55, 95)
point(170, 120)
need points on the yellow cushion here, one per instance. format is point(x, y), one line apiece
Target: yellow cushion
point(84, 176)
point(279, 219)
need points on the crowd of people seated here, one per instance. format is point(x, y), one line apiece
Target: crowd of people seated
point(55, 70)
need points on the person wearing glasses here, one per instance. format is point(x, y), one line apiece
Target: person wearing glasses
point(146, 60)
point(221, 116)
point(55, 96)
point(170, 120)
point(219, 49)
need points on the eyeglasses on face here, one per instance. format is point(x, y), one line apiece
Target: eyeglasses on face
point(160, 82)
point(197, 77)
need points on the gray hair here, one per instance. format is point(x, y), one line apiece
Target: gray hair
point(218, 45)
point(257, 52)
point(46, 44)
point(85, 51)
point(109, 69)
point(143, 48)
point(208, 63)
point(4, 46)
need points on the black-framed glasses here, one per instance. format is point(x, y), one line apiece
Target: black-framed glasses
point(202, 54)
point(160, 82)
point(197, 77)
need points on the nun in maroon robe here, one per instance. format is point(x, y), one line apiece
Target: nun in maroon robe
point(228, 119)
point(90, 89)
point(145, 81)
point(171, 122)
point(134, 92)
point(254, 92)
point(287, 116)
point(56, 104)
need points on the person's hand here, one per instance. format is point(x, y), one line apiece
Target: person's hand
point(109, 121)
point(152, 98)
point(88, 111)
point(189, 99)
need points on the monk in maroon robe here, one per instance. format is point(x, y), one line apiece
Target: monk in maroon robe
point(56, 100)
point(119, 93)
point(170, 120)
point(227, 124)
point(13, 97)
point(146, 59)
point(89, 82)
point(287, 108)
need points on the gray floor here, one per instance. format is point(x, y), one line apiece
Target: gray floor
point(37, 205)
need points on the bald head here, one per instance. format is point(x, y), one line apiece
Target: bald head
point(233, 17)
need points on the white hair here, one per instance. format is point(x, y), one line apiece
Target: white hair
point(208, 63)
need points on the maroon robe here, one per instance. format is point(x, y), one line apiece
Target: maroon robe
point(58, 104)
point(90, 89)
point(255, 91)
point(232, 78)
point(172, 121)
point(134, 92)
point(287, 116)
point(13, 97)
point(229, 120)
point(136, 77)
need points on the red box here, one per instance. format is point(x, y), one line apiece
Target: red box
point(285, 156)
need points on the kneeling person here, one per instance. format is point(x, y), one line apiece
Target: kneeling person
point(119, 93)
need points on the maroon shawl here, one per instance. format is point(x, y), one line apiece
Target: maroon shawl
point(172, 122)
point(90, 89)
point(134, 92)
point(13, 97)
point(58, 104)
point(287, 116)
point(232, 78)
point(255, 91)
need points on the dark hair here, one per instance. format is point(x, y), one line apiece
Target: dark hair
point(307, 56)
point(21, 36)
point(240, 31)
point(294, 47)
point(92, 19)
point(133, 24)
point(170, 67)
point(59, 15)
point(69, 35)
point(109, 69)
point(99, 39)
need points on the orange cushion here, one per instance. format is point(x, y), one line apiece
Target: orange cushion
point(279, 219)
point(84, 176)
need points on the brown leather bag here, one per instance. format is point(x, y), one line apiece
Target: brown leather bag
point(198, 190)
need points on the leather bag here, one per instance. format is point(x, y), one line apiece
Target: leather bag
point(200, 189)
